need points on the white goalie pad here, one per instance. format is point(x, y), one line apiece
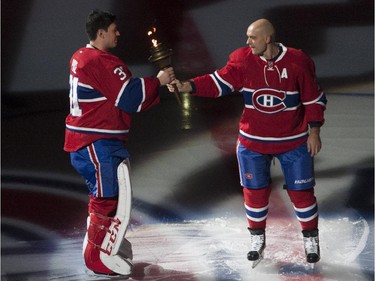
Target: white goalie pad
point(116, 251)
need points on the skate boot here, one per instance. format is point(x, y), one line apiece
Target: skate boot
point(311, 243)
point(258, 243)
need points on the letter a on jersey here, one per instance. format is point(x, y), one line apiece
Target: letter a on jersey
point(284, 74)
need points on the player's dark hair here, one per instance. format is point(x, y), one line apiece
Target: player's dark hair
point(96, 20)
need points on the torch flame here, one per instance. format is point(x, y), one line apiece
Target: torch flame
point(161, 57)
point(152, 32)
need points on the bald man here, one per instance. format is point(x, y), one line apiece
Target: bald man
point(282, 116)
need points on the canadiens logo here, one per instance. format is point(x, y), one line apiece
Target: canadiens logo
point(269, 100)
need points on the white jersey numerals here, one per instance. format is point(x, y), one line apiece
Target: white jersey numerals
point(73, 96)
point(120, 72)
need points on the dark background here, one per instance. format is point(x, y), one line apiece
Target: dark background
point(39, 37)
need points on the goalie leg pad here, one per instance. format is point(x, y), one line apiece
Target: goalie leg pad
point(116, 253)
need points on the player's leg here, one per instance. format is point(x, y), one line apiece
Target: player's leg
point(256, 206)
point(116, 253)
point(98, 164)
point(254, 171)
point(298, 169)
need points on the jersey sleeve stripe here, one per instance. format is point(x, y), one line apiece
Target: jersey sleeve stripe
point(132, 95)
point(92, 100)
point(320, 100)
point(223, 86)
point(231, 88)
point(217, 85)
point(88, 94)
point(143, 94)
point(84, 85)
point(121, 92)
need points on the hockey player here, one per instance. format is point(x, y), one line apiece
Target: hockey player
point(282, 117)
point(103, 95)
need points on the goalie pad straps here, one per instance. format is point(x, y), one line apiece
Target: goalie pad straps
point(101, 211)
point(98, 226)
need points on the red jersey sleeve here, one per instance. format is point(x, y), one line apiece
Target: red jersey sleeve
point(225, 80)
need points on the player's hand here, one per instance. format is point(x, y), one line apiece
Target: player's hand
point(183, 87)
point(314, 144)
point(166, 76)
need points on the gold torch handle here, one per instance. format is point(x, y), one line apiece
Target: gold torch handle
point(177, 94)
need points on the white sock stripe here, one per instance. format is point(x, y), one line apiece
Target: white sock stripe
point(307, 219)
point(302, 210)
point(256, 219)
point(257, 210)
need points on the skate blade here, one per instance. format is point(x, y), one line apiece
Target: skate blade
point(311, 266)
point(256, 262)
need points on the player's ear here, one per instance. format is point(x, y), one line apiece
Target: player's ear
point(100, 33)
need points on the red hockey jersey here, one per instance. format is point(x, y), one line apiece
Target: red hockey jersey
point(103, 94)
point(281, 97)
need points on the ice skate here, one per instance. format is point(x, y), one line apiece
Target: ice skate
point(258, 243)
point(311, 243)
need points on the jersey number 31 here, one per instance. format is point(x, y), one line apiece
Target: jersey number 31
point(73, 96)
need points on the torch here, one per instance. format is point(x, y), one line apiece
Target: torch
point(161, 57)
